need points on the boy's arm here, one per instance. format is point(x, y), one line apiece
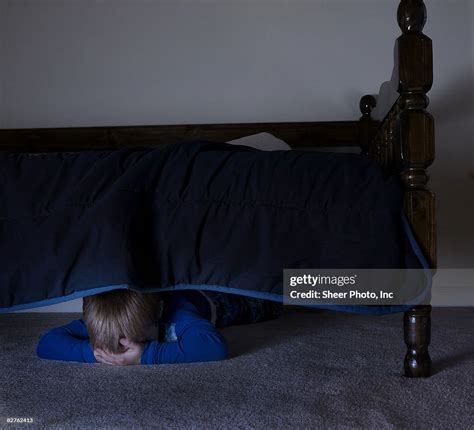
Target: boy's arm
point(68, 343)
point(198, 340)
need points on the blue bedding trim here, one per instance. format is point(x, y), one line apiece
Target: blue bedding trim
point(359, 309)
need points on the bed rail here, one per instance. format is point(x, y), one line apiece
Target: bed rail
point(71, 139)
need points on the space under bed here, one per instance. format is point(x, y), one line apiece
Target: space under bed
point(196, 215)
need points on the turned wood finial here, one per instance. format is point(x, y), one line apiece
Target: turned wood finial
point(367, 103)
point(411, 16)
point(417, 329)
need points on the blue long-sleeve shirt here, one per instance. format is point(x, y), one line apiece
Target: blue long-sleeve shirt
point(188, 337)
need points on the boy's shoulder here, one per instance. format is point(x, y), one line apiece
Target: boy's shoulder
point(182, 302)
point(75, 323)
point(76, 328)
point(80, 325)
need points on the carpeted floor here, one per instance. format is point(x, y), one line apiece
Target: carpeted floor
point(303, 371)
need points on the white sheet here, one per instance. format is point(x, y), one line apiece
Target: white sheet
point(262, 141)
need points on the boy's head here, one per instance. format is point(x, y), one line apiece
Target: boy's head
point(120, 313)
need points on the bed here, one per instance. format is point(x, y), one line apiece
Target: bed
point(395, 129)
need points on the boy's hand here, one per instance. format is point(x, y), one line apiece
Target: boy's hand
point(132, 355)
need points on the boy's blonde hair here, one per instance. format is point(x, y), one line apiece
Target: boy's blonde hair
point(112, 315)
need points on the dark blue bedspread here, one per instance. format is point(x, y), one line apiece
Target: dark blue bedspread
point(194, 215)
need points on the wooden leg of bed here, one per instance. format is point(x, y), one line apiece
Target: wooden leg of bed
point(417, 328)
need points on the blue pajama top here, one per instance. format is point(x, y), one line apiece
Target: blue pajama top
point(188, 336)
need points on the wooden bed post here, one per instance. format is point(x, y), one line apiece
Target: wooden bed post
point(416, 127)
point(367, 103)
point(404, 143)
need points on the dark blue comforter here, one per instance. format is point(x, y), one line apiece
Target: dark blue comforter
point(194, 215)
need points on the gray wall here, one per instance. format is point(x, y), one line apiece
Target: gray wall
point(85, 63)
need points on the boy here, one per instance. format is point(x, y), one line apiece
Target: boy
point(125, 327)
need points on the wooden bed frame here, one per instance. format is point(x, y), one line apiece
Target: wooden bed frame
point(395, 129)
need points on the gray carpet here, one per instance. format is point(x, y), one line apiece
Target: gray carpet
point(304, 370)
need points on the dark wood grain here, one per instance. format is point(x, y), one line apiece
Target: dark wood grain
point(417, 332)
point(367, 126)
point(296, 134)
point(413, 55)
point(405, 144)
